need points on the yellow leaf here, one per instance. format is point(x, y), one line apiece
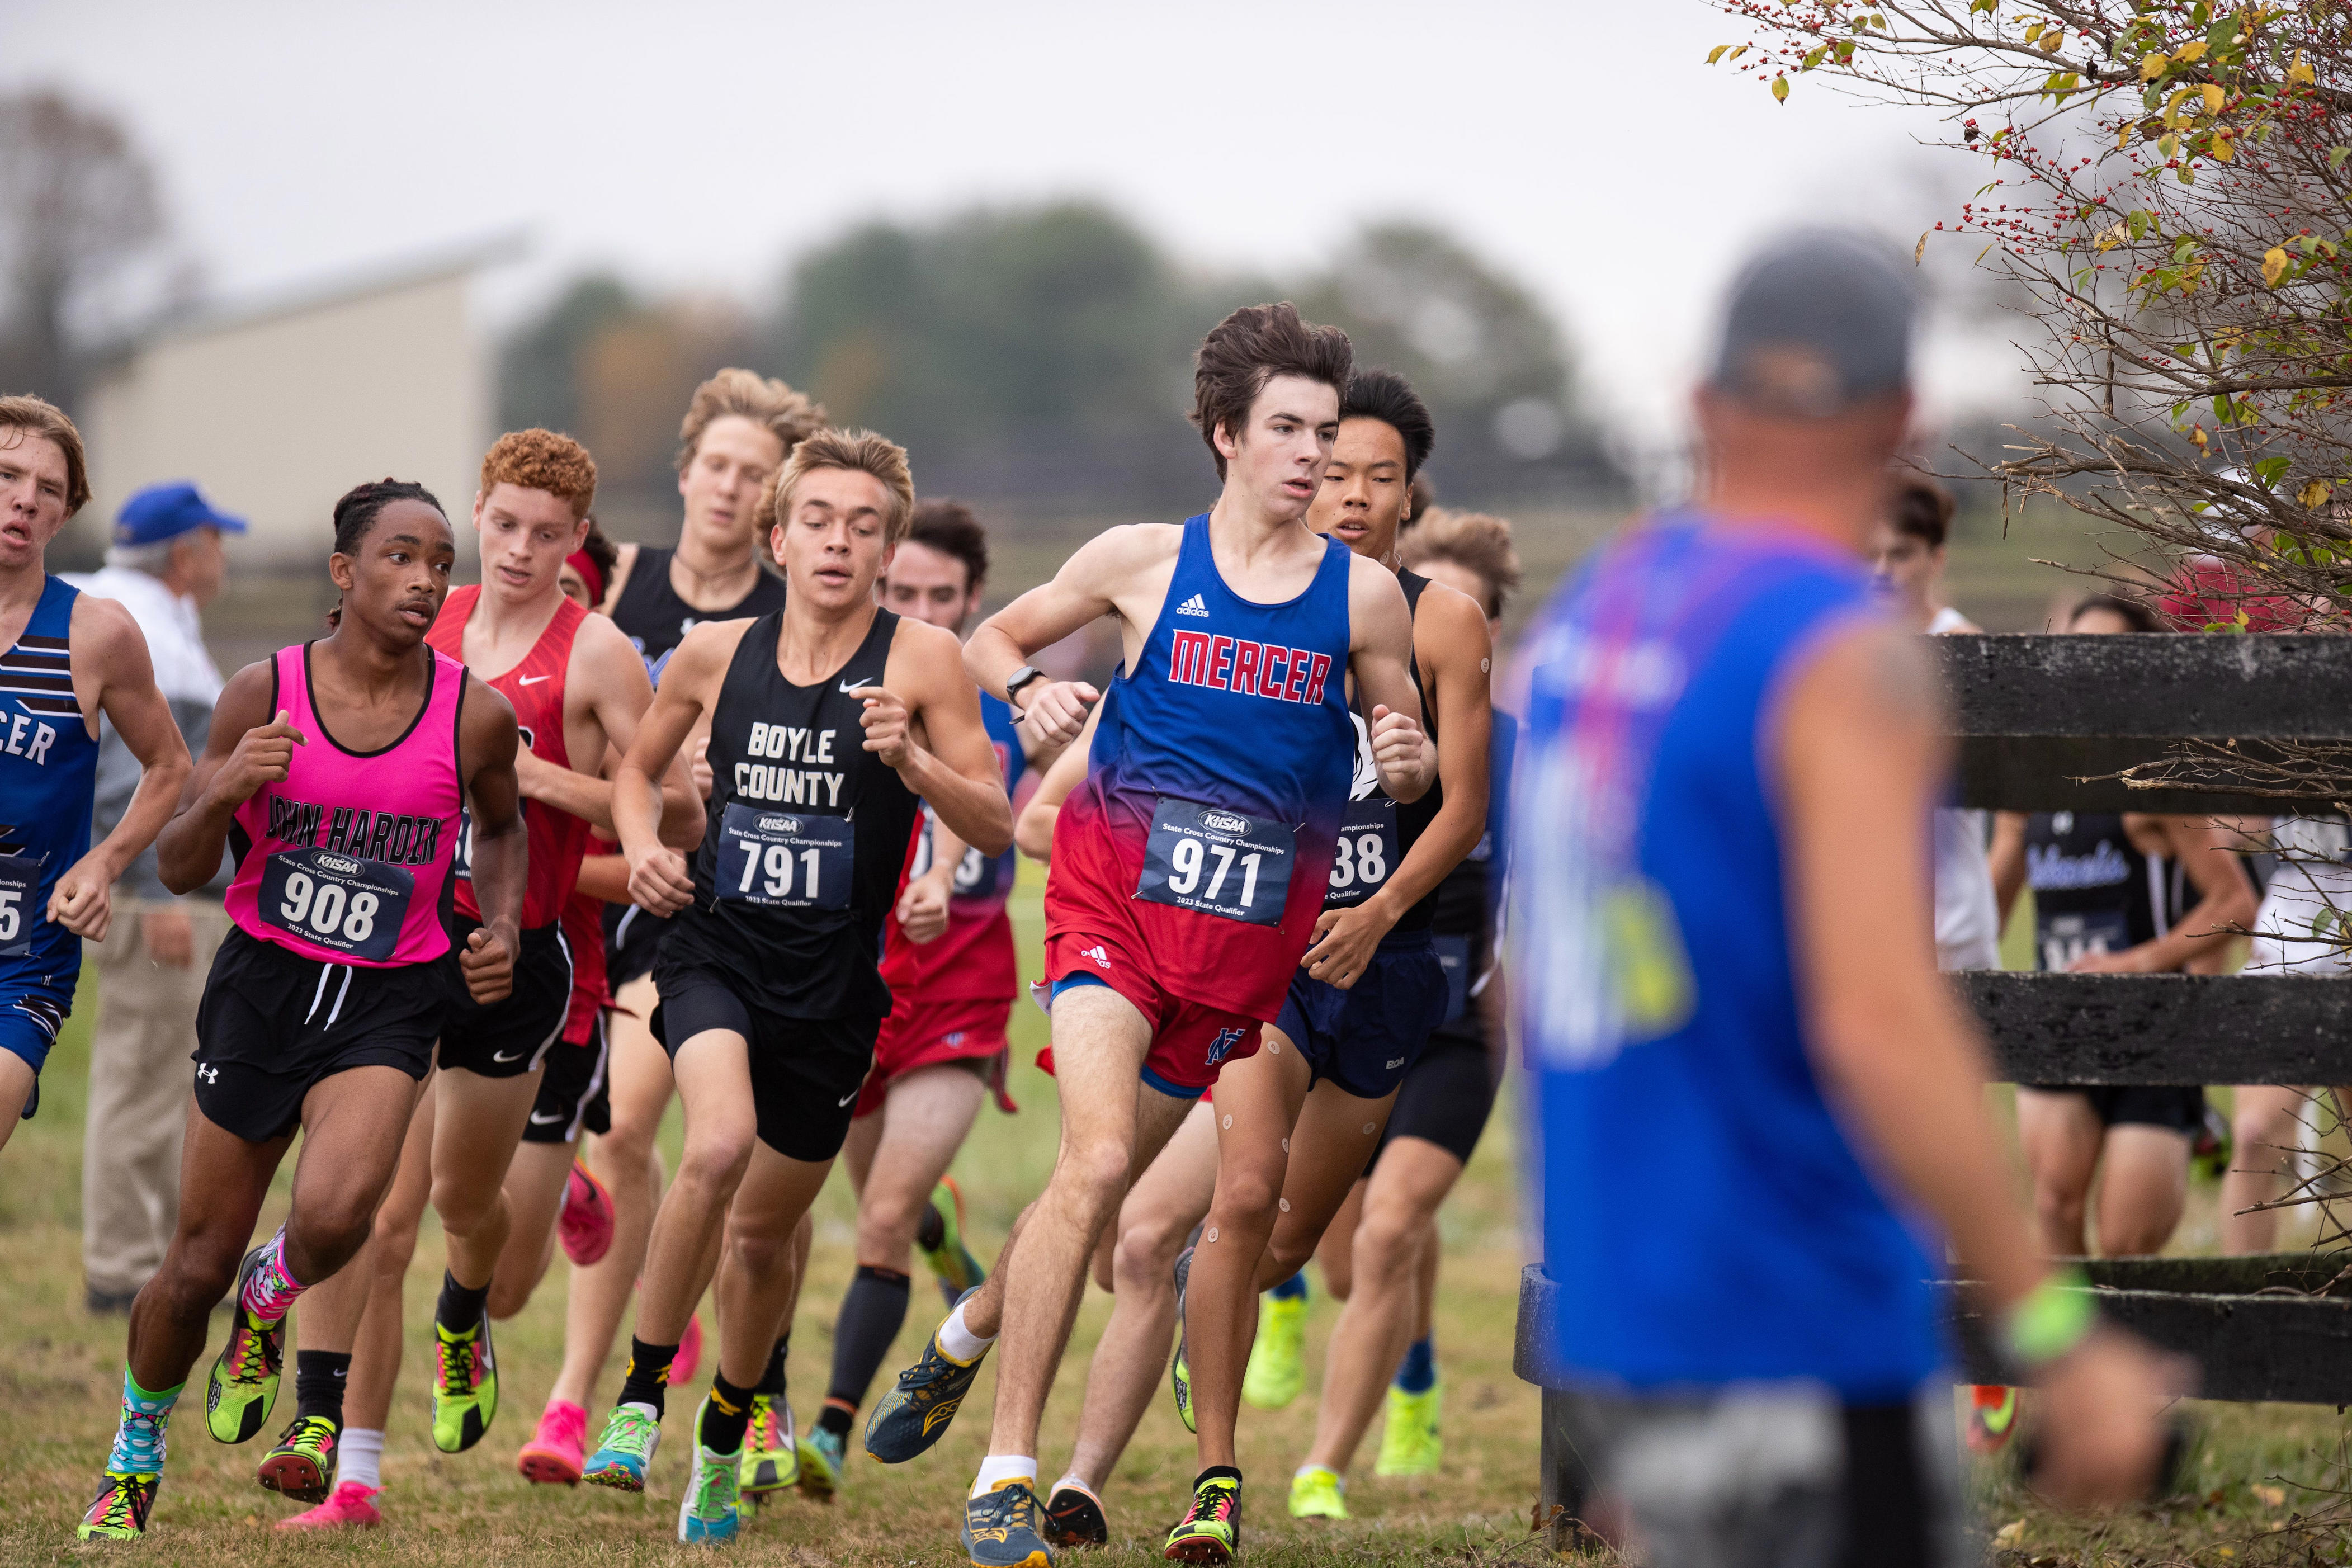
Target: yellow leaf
point(2301, 73)
point(2009, 1534)
point(2052, 39)
point(1780, 87)
point(2212, 98)
point(2225, 147)
point(1920, 249)
point(2274, 266)
point(2114, 235)
point(2172, 104)
point(1716, 53)
point(2123, 135)
point(2034, 30)
point(2311, 497)
point(2189, 52)
point(2152, 66)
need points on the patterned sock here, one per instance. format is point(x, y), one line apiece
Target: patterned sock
point(771, 1381)
point(1291, 1289)
point(139, 1440)
point(270, 1289)
point(648, 1377)
point(1417, 1373)
point(319, 1379)
point(460, 1306)
point(359, 1457)
point(726, 1416)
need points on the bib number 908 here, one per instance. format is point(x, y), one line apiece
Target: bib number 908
point(339, 902)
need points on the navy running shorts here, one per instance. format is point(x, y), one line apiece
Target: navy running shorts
point(1365, 1038)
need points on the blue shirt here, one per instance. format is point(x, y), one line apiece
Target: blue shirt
point(1706, 1220)
point(48, 768)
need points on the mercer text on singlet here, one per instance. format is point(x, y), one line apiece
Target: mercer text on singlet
point(347, 859)
point(535, 687)
point(48, 768)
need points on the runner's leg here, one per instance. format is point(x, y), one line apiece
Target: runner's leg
point(480, 1124)
point(223, 1180)
point(1336, 1253)
point(2060, 1134)
point(714, 1083)
point(380, 1273)
point(534, 1194)
point(2267, 1129)
point(2143, 1189)
point(1330, 1144)
point(16, 1080)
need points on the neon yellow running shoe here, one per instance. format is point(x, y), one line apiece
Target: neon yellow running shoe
point(302, 1465)
point(1316, 1492)
point(951, 1260)
point(711, 1511)
point(465, 1386)
point(1410, 1444)
point(1277, 1363)
point(771, 1461)
point(1180, 1370)
point(119, 1511)
point(243, 1383)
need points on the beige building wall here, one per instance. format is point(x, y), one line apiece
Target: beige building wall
point(277, 412)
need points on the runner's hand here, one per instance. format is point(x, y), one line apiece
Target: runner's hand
point(263, 755)
point(487, 965)
point(1057, 710)
point(887, 721)
point(1344, 942)
point(2130, 961)
point(1397, 751)
point(923, 908)
point(2102, 1420)
point(170, 936)
point(660, 881)
point(83, 901)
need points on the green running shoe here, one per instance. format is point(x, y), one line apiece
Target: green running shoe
point(1317, 1493)
point(1277, 1363)
point(244, 1381)
point(625, 1452)
point(1180, 1371)
point(915, 1414)
point(1410, 1444)
point(465, 1385)
point(302, 1465)
point(771, 1460)
point(1210, 1529)
point(822, 1459)
point(708, 1513)
point(1000, 1529)
point(951, 1260)
point(121, 1509)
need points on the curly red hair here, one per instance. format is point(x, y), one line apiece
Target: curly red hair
point(543, 461)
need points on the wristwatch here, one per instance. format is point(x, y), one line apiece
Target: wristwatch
point(1021, 677)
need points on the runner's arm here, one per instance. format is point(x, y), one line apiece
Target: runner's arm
point(501, 847)
point(1381, 635)
point(1035, 830)
point(659, 877)
point(925, 721)
point(608, 674)
point(2007, 856)
point(103, 639)
point(245, 749)
point(1085, 590)
point(2225, 902)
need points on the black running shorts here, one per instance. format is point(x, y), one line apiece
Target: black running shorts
point(805, 1072)
point(2180, 1110)
point(572, 1098)
point(633, 940)
point(1447, 1096)
point(511, 1037)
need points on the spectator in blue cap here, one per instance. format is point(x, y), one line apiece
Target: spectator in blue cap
point(165, 564)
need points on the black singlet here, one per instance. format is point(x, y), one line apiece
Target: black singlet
point(2093, 891)
point(1364, 858)
point(656, 620)
point(807, 834)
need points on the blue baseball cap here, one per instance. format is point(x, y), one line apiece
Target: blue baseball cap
point(166, 511)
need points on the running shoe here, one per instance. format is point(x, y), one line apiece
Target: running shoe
point(708, 1512)
point(302, 1465)
point(465, 1385)
point(1410, 1444)
point(119, 1511)
point(585, 1226)
point(556, 1451)
point(1000, 1529)
point(1075, 1517)
point(351, 1507)
point(772, 1462)
point(915, 1414)
point(1317, 1493)
point(1992, 1417)
point(822, 1458)
point(1180, 1371)
point(951, 1260)
point(244, 1381)
point(688, 1359)
point(625, 1452)
point(1277, 1363)
point(1210, 1529)
point(2210, 1151)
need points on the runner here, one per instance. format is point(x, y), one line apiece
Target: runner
point(947, 959)
point(1380, 1254)
point(578, 690)
point(772, 994)
point(1298, 1124)
point(323, 1005)
point(1189, 870)
point(70, 658)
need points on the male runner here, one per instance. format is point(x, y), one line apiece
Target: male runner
point(1721, 944)
point(771, 992)
point(324, 1003)
point(69, 659)
point(947, 959)
point(577, 688)
point(1190, 867)
point(1298, 1122)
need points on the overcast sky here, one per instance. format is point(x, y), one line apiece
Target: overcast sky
point(1586, 148)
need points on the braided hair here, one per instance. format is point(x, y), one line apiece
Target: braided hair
point(357, 512)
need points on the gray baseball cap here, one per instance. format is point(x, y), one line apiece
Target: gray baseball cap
point(1819, 319)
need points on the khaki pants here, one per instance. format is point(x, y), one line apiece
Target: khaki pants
point(139, 1087)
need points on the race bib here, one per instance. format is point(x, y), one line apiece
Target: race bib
point(976, 875)
point(461, 865)
point(2066, 938)
point(1453, 958)
point(20, 910)
point(1216, 862)
point(337, 901)
point(1366, 853)
point(784, 859)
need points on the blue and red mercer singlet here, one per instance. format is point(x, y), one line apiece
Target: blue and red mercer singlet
point(48, 767)
point(1208, 821)
point(974, 959)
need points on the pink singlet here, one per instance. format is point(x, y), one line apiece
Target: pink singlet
point(346, 860)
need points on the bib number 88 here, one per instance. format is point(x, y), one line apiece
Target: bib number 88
point(326, 909)
point(777, 862)
point(1189, 855)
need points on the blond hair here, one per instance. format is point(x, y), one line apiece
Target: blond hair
point(856, 451)
point(1471, 540)
point(790, 416)
point(38, 416)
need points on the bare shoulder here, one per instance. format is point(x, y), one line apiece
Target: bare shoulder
point(706, 652)
point(924, 658)
point(102, 636)
point(1131, 547)
point(1871, 671)
point(599, 647)
point(1375, 600)
point(487, 711)
point(1449, 626)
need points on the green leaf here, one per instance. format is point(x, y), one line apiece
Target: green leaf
point(2139, 222)
point(2269, 471)
point(2335, 156)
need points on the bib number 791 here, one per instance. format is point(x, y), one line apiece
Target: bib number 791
point(785, 858)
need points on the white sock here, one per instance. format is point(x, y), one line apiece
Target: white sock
point(961, 1345)
point(1001, 1468)
point(1079, 1483)
point(359, 1457)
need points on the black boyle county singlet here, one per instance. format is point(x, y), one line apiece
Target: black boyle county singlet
point(656, 620)
point(806, 837)
point(1377, 833)
point(2093, 891)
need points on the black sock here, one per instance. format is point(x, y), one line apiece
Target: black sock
point(873, 1310)
point(932, 1230)
point(319, 1379)
point(771, 1381)
point(459, 1308)
point(648, 1376)
point(726, 1417)
point(836, 1419)
point(1212, 1472)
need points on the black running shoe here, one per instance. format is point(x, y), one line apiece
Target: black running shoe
point(1074, 1517)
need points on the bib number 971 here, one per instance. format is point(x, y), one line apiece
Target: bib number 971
point(784, 859)
point(336, 902)
point(1216, 862)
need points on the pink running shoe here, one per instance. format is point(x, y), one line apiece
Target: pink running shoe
point(586, 1224)
point(352, 1506)
point(689, 1354)
point(556, 1451)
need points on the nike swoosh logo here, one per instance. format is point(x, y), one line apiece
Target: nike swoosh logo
point(531, 680)
point(847, 1098)
point(538, 1120)
point(501, 1057)
point(852, 690)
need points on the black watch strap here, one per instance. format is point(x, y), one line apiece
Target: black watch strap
point(1021, 677)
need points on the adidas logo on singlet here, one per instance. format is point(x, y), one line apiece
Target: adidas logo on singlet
point(1195, 605)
